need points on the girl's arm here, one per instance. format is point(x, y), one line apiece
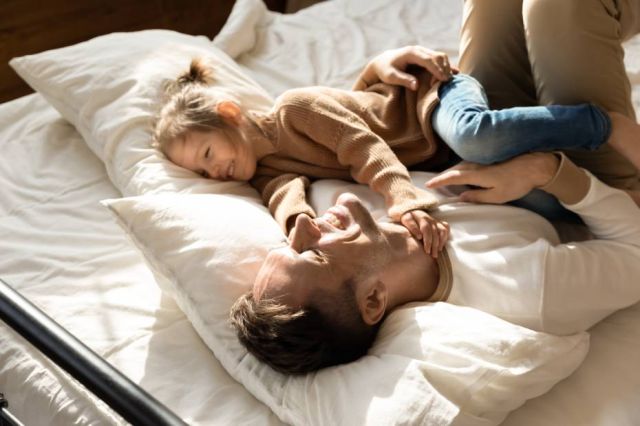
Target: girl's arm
point(285, 196)
point(317, 118)
point(328, 119)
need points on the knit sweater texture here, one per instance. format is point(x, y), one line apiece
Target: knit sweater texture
point(368, 136)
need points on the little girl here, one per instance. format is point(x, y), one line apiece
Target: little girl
point(310, 133)
point(370, 136)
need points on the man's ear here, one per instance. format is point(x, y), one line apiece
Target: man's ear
point(373, 302)
point(230, 112)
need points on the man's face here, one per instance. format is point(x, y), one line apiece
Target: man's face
point(344, 243)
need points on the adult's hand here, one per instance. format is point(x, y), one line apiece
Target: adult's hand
point(502, 182)
point(389, 67)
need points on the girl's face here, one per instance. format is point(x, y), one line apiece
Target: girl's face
point(214, 155)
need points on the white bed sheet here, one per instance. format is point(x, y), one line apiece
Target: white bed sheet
point(61, 249)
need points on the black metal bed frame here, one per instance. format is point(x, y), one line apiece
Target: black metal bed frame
point(126, 398)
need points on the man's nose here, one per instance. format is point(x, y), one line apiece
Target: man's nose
point(305, 233)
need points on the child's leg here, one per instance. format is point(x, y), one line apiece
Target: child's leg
point(478, 134)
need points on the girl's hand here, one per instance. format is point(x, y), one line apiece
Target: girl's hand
point(432, 232)
point(389, 67)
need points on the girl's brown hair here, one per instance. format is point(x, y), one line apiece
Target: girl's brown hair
point(190, 105)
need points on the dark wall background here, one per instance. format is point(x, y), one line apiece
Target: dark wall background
point(31, 26)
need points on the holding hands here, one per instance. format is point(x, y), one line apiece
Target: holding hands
point(390, 66)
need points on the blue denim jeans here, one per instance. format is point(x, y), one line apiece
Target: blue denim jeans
point(476, 133)
point(465, 122)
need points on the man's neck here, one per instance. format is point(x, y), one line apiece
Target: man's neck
point(412, 277)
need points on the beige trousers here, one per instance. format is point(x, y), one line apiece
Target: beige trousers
point(540, 52)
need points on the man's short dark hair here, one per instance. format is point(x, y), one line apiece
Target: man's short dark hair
point(329, 331)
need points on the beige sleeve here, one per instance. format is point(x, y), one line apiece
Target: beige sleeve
point(285, 196)
point(570, 184)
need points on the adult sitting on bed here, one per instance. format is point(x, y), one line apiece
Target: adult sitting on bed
point(368, 136)
point(319, 300)
point(543, 52)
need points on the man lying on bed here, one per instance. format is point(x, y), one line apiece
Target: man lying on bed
point(319, 300)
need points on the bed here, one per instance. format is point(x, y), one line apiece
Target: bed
point(62, 249)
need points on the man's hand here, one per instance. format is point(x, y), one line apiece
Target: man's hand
point(389, 67)
point(503, 182)
point(432, 232)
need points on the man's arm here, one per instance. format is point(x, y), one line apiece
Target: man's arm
point(586, 281)
point(507, 181)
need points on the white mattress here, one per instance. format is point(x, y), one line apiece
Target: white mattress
point(63, 251)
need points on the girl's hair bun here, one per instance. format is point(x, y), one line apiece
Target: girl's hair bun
point(200, 72)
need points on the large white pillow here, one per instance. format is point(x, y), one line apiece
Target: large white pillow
point(109, 88)
point(432, 364)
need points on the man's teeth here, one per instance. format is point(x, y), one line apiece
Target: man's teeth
point(332, 220)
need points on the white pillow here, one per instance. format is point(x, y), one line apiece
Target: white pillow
point(431, 364)
point(109, 88)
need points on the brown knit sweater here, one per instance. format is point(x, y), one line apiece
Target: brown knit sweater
point(368, 136)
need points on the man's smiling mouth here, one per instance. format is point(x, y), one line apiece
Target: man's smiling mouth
point(337, 216)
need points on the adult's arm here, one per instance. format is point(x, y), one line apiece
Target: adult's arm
point(506, 181)
point(587, 281)
point(584, 281)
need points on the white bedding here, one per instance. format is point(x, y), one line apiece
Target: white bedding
point(60, 248)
